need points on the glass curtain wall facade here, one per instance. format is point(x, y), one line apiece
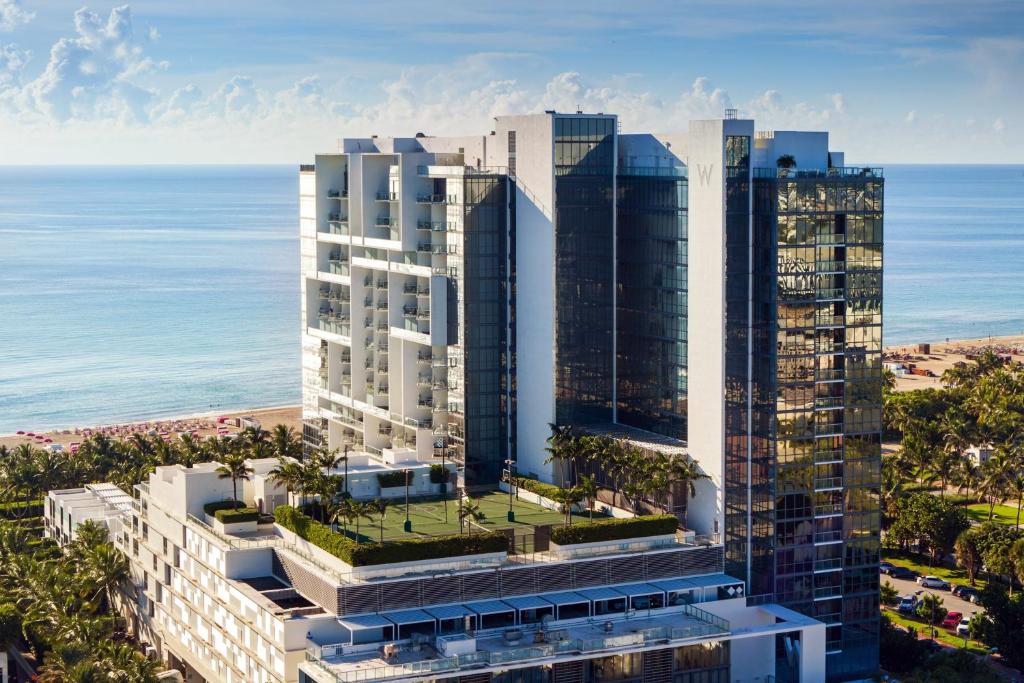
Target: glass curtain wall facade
point(651, 299)
point(827, 232)
point(481, 283)
point(584, 268)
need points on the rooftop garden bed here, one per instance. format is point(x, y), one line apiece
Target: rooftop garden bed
point(615, 529)
point(231, 512)
point(403, 550)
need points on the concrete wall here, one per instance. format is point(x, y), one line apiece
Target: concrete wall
point(535, 283)
point(706, 320)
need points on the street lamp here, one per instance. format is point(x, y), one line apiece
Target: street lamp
point(510, 463)
point(408, 522)
point(442, 443)
point(345, 458)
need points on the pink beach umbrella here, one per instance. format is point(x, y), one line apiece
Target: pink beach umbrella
point(21, 431)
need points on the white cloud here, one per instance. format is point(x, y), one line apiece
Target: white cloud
point(12, 15)
point(153, 34)
point(911, 117)
point(999, 125)
point(12, 62)
point(93, 74)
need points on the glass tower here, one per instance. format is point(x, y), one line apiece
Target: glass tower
point(820, 360)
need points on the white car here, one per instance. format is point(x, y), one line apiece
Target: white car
point(964, 627)
point(933, 582)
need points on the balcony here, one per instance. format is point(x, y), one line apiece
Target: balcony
point(335, 325)
point(828, 402)
point(828, 429)
point(409, 288)
point(423, 247)
point(829, 320)
point(338, 267)
point(387, 196)
point(827, 483)
point(409, 310)
point(338, 227)
point(825, 266)
point(828, 374)
point(823, 537)
point(385, 221)
point(828, 510)
point(430, 198)
point(835, 455)
point(829, 293)
point(433, 226)
point(337, 194)
point(423, 380)
point(828, 565)
point(825, 592)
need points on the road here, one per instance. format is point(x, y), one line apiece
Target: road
point(949, 601)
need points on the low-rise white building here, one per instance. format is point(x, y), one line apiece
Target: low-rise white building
point(254, 602)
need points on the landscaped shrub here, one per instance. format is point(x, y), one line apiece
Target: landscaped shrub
point(367, 554)
point(21, 508)
point(231, 512)
point(548, 491)
point(389, 480)
point(615, 529)
point(439, 474)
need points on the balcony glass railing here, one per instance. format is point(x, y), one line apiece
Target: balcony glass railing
point(828, 536)
point(338, 228)
point(828, 565)
point(828, 509)
point(337, 194)
point(387, 196)
point(385, 221)
point(338, 267)
point(828, 482)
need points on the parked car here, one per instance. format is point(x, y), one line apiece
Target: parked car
point(952, 620)
point(903, 573)
point(907, 604)
point(886, 567)
point(966, 593)
point(957, 588)
point(933, 582)
point(964, 627)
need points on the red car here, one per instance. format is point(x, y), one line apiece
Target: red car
point(952, 620)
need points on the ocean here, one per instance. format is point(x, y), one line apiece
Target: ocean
point(141, 292)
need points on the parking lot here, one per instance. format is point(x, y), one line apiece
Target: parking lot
point(949, 601)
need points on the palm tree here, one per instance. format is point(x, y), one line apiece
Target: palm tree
point(345, 511)
point(560, 449)
point(253, 435)
point(286, 442)
point(364, 510)
point(380, 507)
point(107, 569)
point(684, 472)
point(469, 511)
point(288, 473)
point(994, 477)
point(588, 490)
point(234, 467)
point(567, 498)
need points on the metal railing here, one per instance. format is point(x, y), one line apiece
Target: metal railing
point(337, 194)
point(828, 536)
point(828, 565)
point(828, 509)
point(828, 482)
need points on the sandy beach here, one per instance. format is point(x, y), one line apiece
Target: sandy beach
point(945, 354)
point(202, 425)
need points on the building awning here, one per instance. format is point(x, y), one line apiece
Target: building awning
point(601, 594)
point(673, 585)
point(713, 580)
point(448, 611)
point(490, 607)
point(565, 598)
point(363, 622)
point(409, 616)
point(527, 602)
point(634, 589)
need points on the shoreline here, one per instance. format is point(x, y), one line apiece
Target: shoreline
point(201, 424)
point(942, 355)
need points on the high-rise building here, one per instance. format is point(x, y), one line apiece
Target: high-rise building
point(719, 288)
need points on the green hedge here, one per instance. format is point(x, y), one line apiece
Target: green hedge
point(439, 474)
point(231, 512)
point(549, 491)
point(392, 479)
point(615, 529)
point(367, 554)
point(21, 508)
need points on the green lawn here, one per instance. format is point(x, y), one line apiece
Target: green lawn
point(920, 565)
point(942, 635)
point(1004, 514)
point(428, 517)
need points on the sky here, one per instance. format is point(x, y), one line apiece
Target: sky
point(266, 81)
